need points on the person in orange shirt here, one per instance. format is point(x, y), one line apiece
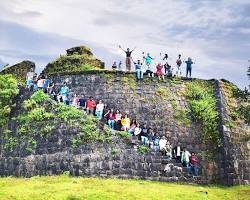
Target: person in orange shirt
point(90, 105)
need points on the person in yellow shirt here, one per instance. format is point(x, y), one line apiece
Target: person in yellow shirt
point(125, 123)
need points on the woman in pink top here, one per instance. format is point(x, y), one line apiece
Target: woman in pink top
point(159, 71)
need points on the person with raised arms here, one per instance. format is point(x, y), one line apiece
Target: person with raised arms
point(128, 60)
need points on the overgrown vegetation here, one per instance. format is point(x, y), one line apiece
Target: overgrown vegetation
point(238, 105)
point(42, 116)
point(124, 134)
point(73, 63)
point(8, 92)
point(203, 110)
point(143, 149)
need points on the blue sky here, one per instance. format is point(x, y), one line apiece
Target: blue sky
point(215, 33)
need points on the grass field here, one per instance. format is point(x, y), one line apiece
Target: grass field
point(64, 187)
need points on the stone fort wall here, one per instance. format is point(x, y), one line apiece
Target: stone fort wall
point(152, 102)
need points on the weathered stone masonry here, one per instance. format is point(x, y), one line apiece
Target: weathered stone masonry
point(150, 101)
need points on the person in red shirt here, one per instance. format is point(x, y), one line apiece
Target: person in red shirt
point(90, 105)
point(194, 164)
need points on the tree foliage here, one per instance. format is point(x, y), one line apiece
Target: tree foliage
point(8, 92)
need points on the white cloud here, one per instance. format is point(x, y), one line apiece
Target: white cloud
point(201, 29)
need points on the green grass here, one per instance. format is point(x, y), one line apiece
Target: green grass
point(64, 187)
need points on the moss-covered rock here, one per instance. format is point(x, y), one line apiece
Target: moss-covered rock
point(19, 70)
point(77, 59)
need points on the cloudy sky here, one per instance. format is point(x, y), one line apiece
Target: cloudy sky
point(215, 33)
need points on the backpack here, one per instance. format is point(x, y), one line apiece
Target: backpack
point(179, 62)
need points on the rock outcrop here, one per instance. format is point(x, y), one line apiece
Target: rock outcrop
point(19, 70)
point(77, 59)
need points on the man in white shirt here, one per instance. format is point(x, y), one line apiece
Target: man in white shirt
point(185, 158)
point(162, 143)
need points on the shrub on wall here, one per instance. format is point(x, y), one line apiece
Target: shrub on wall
point(42, 116)
point(8, 92)
point(202, 104)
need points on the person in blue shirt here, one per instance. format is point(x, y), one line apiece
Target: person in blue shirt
point(64, 92)
point(148, 61)
point(139, 71)
point(189, 63)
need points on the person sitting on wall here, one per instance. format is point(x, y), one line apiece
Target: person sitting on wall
point(120, 66)
point(185, 158)
point(114, 66)
point(148, 61)
point(162, 143)
point(137, 130)
point(177, 152)
point(99, 109)
point(110, 115)
point(144, 136)
point(194, 164)
point(64, 92)
point(168, 151)
point(125, 123)
point(90, 105)
point(150, 138)
point(139, 70)
point(156, 140)
point(131, 129)
point(29, 78)
point(144, 131)
point(118, 118)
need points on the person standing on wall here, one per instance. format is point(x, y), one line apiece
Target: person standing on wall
point(189, 63)
point(29, 78)
point(128, 58)
point(178, 66)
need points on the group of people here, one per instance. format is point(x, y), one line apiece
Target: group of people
point(115, 119)
point(146, 135)
point(161, 69)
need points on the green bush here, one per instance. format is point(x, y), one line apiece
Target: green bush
point(202, 104)
point(8, 92)
point(143, 149)
point(42, 115)
point(124, 134)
